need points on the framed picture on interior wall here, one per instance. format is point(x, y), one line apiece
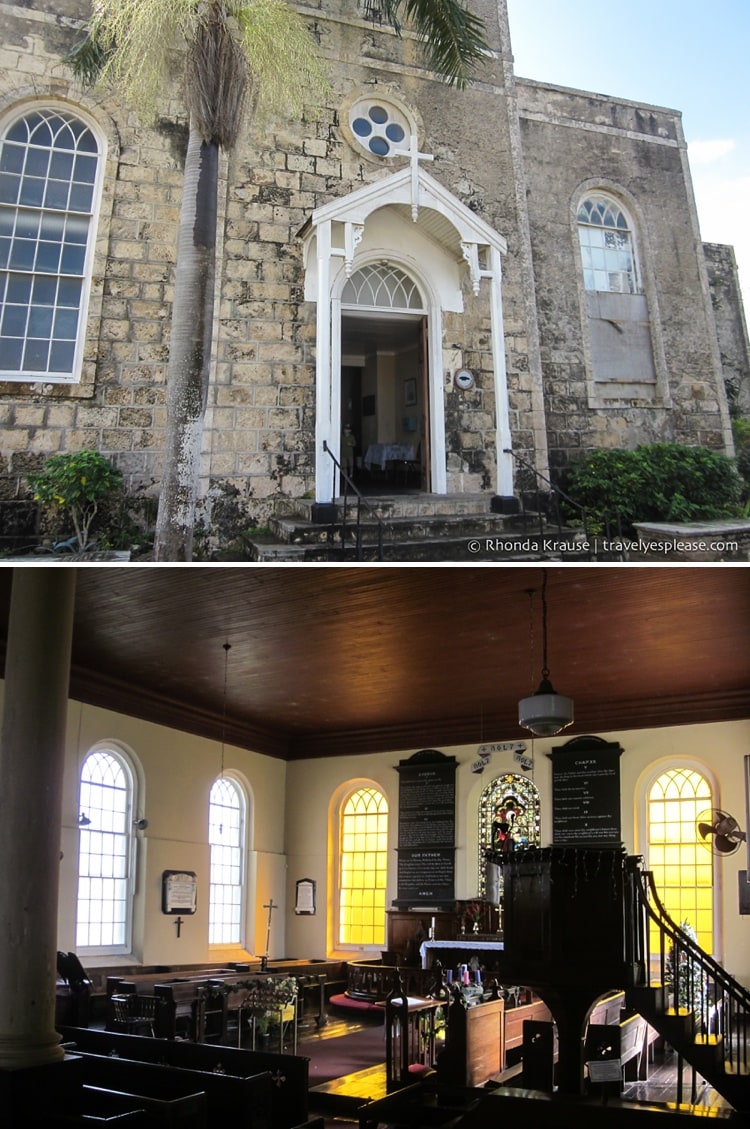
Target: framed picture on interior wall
point(410, 392)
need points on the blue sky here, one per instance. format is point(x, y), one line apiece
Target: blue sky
point(689, 55)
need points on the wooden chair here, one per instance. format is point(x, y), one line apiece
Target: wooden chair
point(133, 1013)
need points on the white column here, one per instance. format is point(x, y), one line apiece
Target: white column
point(324, 467)
point(32, 760)
point(502, 410)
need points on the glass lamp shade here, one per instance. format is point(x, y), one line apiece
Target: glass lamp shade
point(545, 713)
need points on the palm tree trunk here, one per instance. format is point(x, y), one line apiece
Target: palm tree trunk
point(189, 351)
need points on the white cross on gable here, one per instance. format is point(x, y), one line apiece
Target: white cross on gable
point(414, 157)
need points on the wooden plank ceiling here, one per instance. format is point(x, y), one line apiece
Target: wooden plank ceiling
point(330, 661)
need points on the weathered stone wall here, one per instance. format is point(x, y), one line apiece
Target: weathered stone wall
point(260, 426)
point(260, 423)
point(573, 142)
point(726, 299)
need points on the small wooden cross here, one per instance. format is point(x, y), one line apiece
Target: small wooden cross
point(178, 924)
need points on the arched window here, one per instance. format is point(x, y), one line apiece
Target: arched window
point(226, 836)
point(681, 864)
point(620, 338)
point(49, 180)
point(509, 819)
point(105, 853)
point(606, 238)
point(363, 868)
point(382, 286)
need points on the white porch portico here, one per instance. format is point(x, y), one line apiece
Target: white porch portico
point(410, 222)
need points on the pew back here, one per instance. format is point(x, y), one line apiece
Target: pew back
point(289, 1074)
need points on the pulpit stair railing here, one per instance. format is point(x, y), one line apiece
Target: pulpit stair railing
point(685, 993)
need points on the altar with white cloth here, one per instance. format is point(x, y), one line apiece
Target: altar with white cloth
point(429, 950)
point(380, 454)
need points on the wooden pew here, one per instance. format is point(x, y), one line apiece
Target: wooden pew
point(474, 1048)
point(535, 1010)
point(171, 1098)
point(626, 1041)
point(289, 1073)
point(183, 1111)
point(244, 1102)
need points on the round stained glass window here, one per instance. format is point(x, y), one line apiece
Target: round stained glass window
point(379, 126)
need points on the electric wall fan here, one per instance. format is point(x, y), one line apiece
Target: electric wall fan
point(719, 831)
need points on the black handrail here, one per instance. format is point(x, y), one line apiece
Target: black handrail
point(720, 1003)
point(361, 502)
point(612, 524)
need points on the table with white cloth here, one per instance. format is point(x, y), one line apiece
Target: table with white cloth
point(461, 945)
point(380, 454)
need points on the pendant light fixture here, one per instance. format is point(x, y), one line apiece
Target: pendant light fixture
point(545, 713)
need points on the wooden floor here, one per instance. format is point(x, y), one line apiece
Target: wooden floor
point(347, 1093)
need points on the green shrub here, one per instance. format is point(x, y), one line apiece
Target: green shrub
point(665, 482)
point(76, 484)
point(741, 429)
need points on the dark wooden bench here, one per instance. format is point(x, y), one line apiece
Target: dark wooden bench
point(515, 1017)
point(474, 1043)
point(626, 1041)
point(183, 1111)
point(289, 1074)
point(168, 1096)
point(241, 1101)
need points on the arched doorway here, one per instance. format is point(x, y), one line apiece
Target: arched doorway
point(406, 221)
point(385, 393)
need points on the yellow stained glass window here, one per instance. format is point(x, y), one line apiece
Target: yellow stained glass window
point(363, 866)
point(681, 865)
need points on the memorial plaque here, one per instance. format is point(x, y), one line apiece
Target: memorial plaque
point(586, 793)
point(426, 829)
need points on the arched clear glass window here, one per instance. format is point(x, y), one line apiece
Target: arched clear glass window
point(363, 868)
point(607, 246)
point(681, 864)
point(509, 819)
point(49, 177)
point(382, 286)
point(226, 837)
point(105, 853)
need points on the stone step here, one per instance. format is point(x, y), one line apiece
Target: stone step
point(300, 531)
point(463, 549)
point(407, 505)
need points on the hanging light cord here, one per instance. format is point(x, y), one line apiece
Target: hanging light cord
point(227, 649)
point(545, 668)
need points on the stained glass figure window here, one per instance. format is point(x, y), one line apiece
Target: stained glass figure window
point(509, 819)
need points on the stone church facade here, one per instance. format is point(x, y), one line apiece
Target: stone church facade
point(491, 279)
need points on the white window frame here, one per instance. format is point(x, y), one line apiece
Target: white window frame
point(8, 119)
point(239, 844)
point(86, 811)
point(629, 230)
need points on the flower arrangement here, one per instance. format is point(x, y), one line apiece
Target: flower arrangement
point(266, 1000)
point(470, 912)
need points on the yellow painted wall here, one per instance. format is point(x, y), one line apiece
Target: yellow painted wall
point(288, 832)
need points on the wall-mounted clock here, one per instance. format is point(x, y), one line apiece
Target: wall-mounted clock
point(464, 379)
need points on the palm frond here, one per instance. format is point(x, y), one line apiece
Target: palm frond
point(452, 38)
point(288, 74)
point(88, 58)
